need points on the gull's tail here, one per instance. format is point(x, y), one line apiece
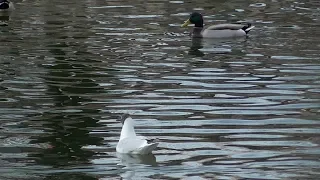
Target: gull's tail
point(147, 149)
point(247, 28)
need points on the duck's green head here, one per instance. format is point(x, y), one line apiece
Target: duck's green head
point(196, 19)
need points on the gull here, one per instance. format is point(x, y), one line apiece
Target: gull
point(130, 143)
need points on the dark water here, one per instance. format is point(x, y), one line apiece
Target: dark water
point(243, 108)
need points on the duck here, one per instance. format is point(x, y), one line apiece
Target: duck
point(130, 143)
point(6, 6)
point(216, 31)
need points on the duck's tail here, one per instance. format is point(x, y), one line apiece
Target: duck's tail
point(247, 28)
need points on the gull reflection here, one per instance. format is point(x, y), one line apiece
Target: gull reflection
point(132, 162)
point(134, 159)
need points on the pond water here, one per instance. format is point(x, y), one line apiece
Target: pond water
point(243, 108)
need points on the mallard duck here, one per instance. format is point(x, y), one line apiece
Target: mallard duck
point(216, 31)
point(6, 6)
point(130, 143)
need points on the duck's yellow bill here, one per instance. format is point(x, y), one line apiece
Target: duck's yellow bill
point(185, 24)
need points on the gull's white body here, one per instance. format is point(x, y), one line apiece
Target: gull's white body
point(130, 143)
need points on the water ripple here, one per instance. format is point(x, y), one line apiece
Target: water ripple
point(222, 109)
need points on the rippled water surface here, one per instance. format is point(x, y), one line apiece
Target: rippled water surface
point(228, 109)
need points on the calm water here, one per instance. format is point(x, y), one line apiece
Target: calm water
point(243, 108)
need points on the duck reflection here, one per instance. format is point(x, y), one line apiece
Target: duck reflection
point(195, 46)
point(67, 124)
point(4, 19)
